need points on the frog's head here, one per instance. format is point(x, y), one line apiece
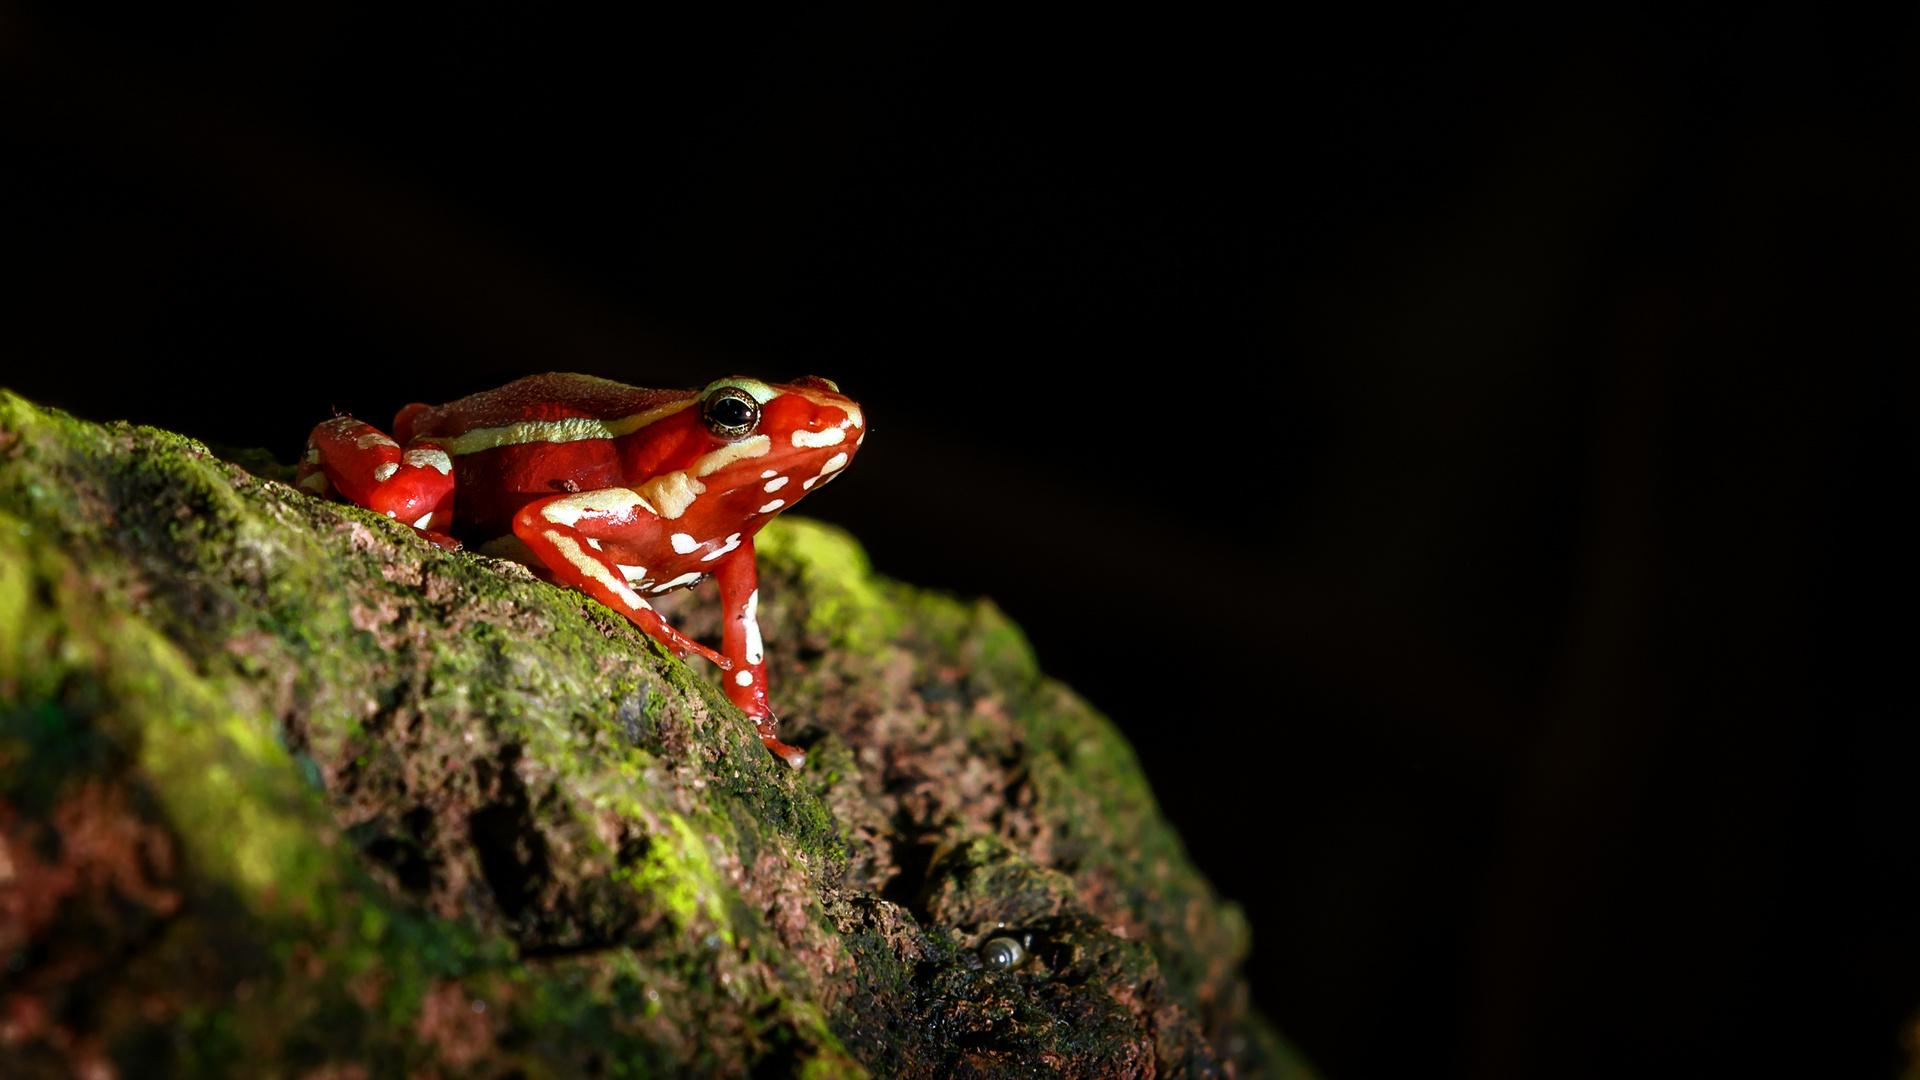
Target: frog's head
point(778, 440)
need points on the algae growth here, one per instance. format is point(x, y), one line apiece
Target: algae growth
point(286, 792)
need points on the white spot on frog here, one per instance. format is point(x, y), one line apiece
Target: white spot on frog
point(429, 457)
point(775, 485)
point(683, 543)
point(763, 476)
point(425, 521)
point(672, 492)
point(772, 506)
point(632, 573)
point(611, 502)
point(743, 678)
point(834, 464)
point(372, 439)
point(594, 544)
point(688, 578)
point(732, 542)
point(750, 616)
point(316, 482)
point(813, 440)
point(313, 455)
point(385, 472)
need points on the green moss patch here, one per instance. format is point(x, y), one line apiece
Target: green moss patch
point(285, 791)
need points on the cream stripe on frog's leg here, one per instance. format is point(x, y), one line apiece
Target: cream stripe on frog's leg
point(548, 527)
point(740, 640)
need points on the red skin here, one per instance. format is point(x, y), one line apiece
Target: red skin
point(547, 467)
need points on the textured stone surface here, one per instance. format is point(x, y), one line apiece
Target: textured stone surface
point(286, 792)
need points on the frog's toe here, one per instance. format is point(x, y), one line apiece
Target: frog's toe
point(792, 755)
point(438, 539)
point(769, 728)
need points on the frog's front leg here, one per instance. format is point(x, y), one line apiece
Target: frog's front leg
point(739, 582)
point(550, 526)
point(414, 485)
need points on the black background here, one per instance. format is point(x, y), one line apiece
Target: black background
point(1465, 454)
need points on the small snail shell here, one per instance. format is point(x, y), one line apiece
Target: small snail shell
point(1003, 953)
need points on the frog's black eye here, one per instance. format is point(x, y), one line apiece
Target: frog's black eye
point(730, 412)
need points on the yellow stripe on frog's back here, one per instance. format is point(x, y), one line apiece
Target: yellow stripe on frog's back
point(571, 429)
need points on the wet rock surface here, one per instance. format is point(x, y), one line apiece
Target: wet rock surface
point(285, 791)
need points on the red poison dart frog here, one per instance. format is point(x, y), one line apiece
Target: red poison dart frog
point(619, 492)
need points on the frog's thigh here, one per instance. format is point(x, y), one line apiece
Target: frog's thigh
point(608, 513)
point(551, 527)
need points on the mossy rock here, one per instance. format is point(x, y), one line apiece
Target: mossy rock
point(286, 792)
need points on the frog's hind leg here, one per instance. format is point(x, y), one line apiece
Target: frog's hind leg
point(357, 460)
point(550, 528)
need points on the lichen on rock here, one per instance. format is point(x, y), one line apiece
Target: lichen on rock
point(285, 791)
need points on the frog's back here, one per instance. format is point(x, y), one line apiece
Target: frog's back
point(536, 398)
